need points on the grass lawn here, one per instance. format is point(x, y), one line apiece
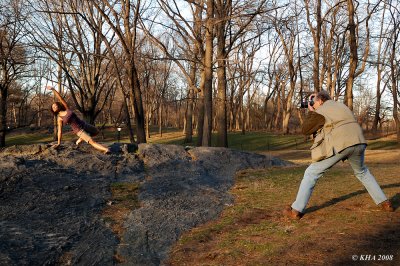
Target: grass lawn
point(251, 141)
point(341, 220)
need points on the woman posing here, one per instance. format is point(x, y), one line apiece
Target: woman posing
point(82, 129)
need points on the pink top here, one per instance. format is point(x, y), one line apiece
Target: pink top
point(72, 119)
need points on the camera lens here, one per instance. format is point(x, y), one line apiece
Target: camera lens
point(312, 101)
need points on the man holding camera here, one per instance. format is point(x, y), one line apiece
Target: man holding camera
point(337, 137)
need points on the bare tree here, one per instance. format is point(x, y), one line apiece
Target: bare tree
point(123, 19)
point(208, 74)
point(12, 56)
point(287, 34)
point(186, 33)
point(354, 44)
point(231, 27)
point(65, 36)
point(380, 64)
point(274, 54)
point(394, 70)
point(316, 35)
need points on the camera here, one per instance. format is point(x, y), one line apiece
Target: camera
point(304, 102)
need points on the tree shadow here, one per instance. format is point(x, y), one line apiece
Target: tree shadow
point(395, 199)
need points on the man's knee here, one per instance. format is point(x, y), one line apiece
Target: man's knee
point(361, 173)
point(312, 173)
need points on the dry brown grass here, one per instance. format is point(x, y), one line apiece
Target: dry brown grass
point(341, 220)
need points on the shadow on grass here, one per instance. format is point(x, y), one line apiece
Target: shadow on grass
point(378, 247)
point(395, 199)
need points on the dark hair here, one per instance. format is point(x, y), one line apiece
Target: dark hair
point(323, 96)
point(60, 106)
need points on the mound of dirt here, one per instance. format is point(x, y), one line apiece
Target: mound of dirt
point(51, 200)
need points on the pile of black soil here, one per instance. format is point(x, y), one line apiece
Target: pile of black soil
point(51, 200)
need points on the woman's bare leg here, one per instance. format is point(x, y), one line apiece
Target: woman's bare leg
point(99, 146)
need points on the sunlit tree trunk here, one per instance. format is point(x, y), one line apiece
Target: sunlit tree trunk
point(208, 75)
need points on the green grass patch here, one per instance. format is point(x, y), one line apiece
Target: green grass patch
point(251, 141)
point(383, 144)
point(23, 139)
point(125, 194)
point(124, 199)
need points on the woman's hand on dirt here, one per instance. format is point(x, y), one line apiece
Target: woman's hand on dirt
point(55, 146)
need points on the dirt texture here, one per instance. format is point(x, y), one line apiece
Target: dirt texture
point(51, 200)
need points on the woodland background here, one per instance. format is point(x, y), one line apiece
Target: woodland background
point(202, 66)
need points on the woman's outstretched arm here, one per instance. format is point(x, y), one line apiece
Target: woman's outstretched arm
point(59, 132)
point(63, 102)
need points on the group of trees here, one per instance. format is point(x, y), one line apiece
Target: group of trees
point(200, 65)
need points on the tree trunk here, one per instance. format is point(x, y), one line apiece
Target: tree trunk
point(189, 117)
point(189, 107)
point(128, 119)
point(14, 112)
point(316, 33)
point(148, 123)
point(200, 111)
point(242, 111)
point(222, 130)
point(136, 100)
point(208, 72)
point(278, 110)
point(395, 105)
point(379, 79)
point(160, 117)
point(89, 115)
point(348, 100)
point(3, 115)
point(393, 76)
point(378, 101)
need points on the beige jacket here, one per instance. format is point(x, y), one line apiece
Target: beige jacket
point(340, 131)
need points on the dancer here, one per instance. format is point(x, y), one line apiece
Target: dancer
point(82, 129)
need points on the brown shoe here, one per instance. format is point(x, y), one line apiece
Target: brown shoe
point(291, 213)
point(386, 206)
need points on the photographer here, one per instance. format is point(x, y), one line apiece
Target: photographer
point(337, 137)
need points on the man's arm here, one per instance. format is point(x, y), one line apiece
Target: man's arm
point(312, 123)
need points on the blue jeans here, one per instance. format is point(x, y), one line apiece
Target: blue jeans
point(355, 155)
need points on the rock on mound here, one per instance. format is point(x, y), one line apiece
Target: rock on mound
point(184, 189)
point(52, 200)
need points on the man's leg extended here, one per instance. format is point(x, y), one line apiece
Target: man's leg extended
point(361, 171)
point(311, 175)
